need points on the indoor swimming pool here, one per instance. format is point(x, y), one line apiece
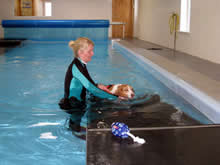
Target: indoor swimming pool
point(34, 130)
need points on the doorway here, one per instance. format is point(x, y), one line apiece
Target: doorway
point(122, 11)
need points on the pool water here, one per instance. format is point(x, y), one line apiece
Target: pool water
point(33, 128)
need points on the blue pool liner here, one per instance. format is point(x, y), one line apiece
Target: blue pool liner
point(55, 30)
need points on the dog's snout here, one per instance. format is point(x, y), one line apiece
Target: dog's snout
point(132, 95)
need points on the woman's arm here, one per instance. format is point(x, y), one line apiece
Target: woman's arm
point(99, 92)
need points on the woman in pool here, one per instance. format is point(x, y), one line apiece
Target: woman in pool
point(78, 80)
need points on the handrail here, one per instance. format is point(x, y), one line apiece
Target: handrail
point(120, 23)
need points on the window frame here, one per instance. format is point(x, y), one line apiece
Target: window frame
point(185, 15)
point(44, 8)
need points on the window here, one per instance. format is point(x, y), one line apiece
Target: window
point(185, 15)
point(48, 8)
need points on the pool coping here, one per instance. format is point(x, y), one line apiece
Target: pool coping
point(158, 142)
point(200, 100)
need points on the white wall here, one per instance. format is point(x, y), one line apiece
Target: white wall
point(153, 21)
point(204, 39)
point(64, 9)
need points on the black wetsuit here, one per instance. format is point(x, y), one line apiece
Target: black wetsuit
point(77, 82)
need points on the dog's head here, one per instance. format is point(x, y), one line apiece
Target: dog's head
point(122, 90)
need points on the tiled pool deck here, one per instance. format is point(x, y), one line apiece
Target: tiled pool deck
point(200, 73)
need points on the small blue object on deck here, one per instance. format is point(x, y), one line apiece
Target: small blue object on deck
point(120, 129)
point(55, 30)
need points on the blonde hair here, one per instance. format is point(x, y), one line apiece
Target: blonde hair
point(81, 43)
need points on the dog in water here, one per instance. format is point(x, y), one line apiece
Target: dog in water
point(123, 91)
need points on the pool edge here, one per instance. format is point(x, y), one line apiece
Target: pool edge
point(201, 101)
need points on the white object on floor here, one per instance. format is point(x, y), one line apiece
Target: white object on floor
point(136, 139)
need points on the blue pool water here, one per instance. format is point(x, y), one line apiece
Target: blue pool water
point(33, 128)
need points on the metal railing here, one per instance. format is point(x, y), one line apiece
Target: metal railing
point(120, 23)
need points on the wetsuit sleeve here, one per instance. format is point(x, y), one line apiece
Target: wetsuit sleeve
point(91, 87)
